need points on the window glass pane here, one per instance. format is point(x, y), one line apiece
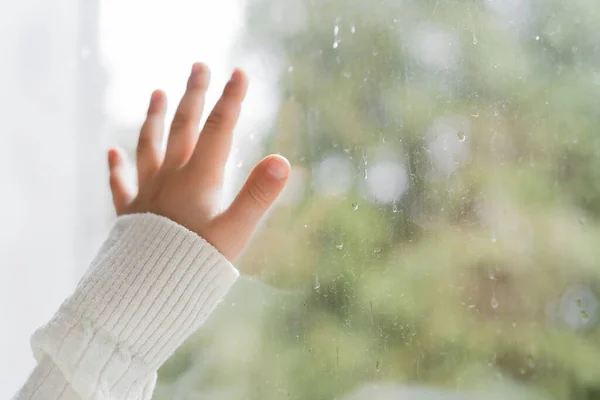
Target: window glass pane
point(439, 238)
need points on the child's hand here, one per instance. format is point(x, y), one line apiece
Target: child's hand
point(184, 184)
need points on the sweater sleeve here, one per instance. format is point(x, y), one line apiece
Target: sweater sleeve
point(152, 284)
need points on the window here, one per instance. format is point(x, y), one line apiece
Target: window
point(440, 233)
point(440, 236)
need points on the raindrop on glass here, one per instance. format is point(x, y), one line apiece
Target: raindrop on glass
point(461, 136)
point(494, 302)
point(355, 206)
point(537, 38)
point(336, 30)
point(377, 250)
point(335, 44)
point(290, 68)
point(474, 39)
point(239, 164)
point(339, 246)
point(353, 29)
point(584, 315)
point(492, 274)
point(578, 302)
point(317, 283)
point(347, 74)
point(394, 207)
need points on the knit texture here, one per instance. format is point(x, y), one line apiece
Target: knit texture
point(152, 285)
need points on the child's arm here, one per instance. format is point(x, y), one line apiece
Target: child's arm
point(157, 277)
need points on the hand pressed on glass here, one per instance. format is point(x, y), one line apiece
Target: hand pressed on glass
point(184, 183)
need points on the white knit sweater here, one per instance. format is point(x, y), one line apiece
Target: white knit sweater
point(152, 284)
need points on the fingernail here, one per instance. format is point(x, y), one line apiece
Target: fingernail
point(277, 169)
point(235, 76)
point(196, 67)
point(113, 158)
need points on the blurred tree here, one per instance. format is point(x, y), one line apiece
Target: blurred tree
point(444, 225)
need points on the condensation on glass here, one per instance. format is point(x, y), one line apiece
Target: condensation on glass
point(439, 238)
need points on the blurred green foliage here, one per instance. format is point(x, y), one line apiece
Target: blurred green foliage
point(485, 272)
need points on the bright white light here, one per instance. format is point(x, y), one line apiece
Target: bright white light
point(333, 176)
point(387, 181)
point(434, 47)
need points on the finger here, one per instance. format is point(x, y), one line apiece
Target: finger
point(214, 143)
point(121, 194)
point(148, 154)
point(261, 189)
point(184, 129)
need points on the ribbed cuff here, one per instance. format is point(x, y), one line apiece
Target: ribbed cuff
point(152, 285)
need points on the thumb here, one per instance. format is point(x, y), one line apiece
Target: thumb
point(261, 189)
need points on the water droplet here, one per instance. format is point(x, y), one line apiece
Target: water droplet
point(494, 302)
point(537, 38)
point(347, 74)
point(475, 114)
point(355, 206)
point(353, 29)
point(584, 315)
point(394, 207)
point(377, 365)
point(494, 239)
point(492, 274)
point(339, 246)
point(475, 41)
point(377, 250)
point(578, 302)
point(336, 30)
point(239, 164)
point(290, 68)
point(514, 324)
point(317, 283)
point(335, 44)
point(375, 52)
point(461, 136)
